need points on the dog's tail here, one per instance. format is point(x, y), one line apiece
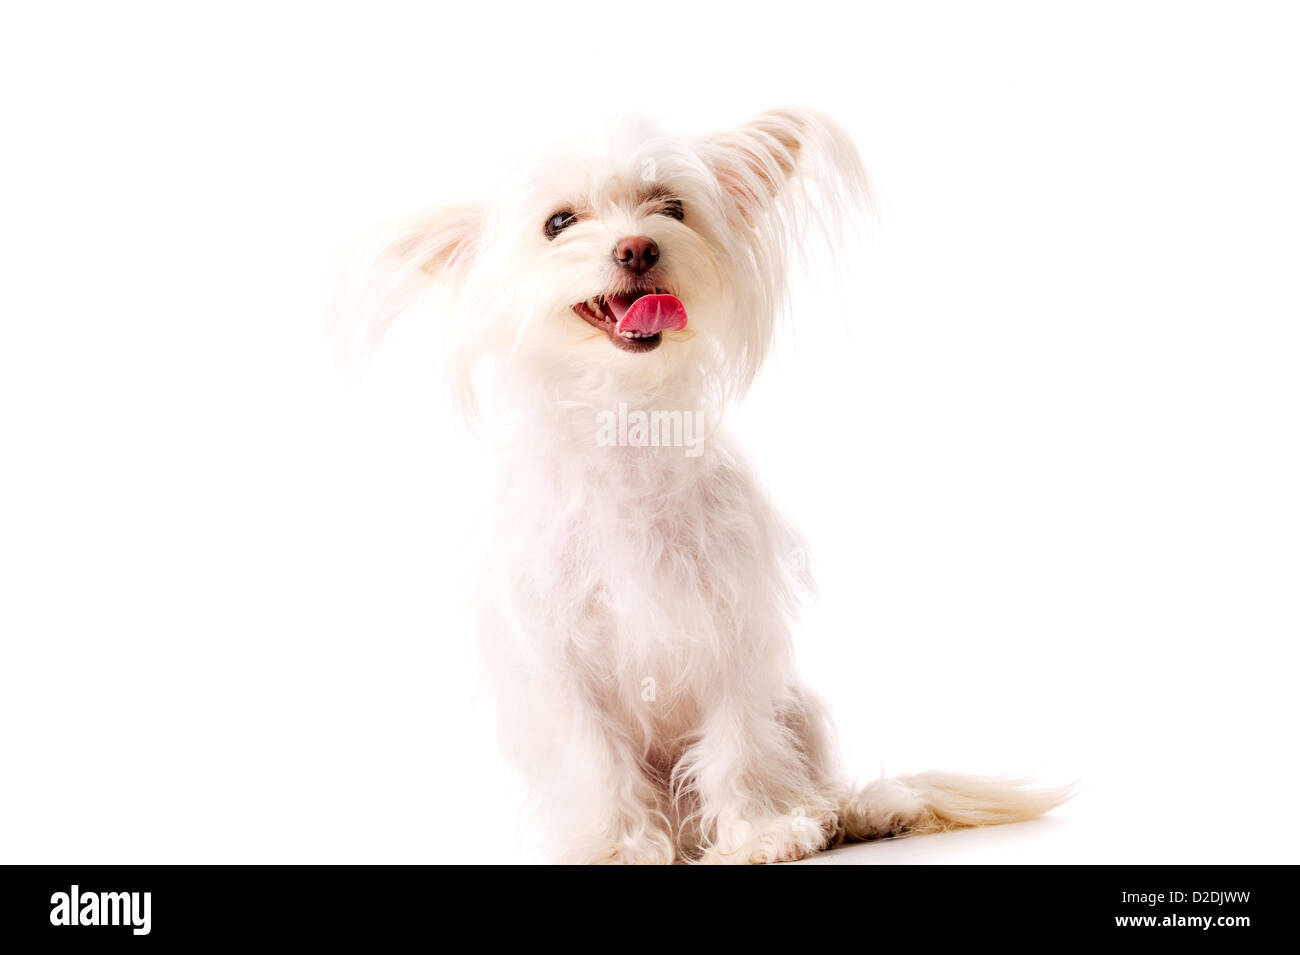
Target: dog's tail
point(933, 802)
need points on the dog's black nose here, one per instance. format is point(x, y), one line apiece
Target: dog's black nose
point(637, 253)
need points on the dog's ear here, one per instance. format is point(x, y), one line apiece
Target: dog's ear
point(394, 265)
point(756, 161)
point(790, 185)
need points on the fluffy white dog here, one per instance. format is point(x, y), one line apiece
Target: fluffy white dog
point(636, 606)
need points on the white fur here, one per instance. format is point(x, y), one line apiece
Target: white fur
point(621, 573)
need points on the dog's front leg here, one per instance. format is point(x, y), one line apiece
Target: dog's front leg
point(589, 782)
point(764, 795)
point(610, 810)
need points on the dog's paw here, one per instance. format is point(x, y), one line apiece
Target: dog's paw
point(787, 838)
point(646, 850)
point(882, 810)
point(882, 825)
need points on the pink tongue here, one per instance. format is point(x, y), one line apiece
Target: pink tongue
point(648, 314)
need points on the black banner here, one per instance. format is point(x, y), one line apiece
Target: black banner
point(143, 906)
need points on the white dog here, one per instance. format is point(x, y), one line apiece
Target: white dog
point(636, 608)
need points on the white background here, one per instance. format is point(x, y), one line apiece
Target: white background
point(1043, 437)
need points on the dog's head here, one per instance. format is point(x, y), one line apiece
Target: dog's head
point(631, 262)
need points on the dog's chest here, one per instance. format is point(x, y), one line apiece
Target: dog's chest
point(661, 551)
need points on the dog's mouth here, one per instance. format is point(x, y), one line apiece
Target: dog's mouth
point(634, 321)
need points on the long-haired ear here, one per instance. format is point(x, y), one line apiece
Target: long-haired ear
point(397, 262)
point(786, 176)
point(756, 162)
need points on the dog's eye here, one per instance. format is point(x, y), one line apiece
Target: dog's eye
point(558, 223)
point(673, 209)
